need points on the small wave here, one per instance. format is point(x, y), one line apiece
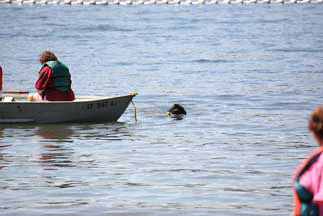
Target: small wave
point(195, 185)
point(239, 189)
point(15, 35)
point(274, 21)
point(66, 203)
point(65, 185)
point(290, 104)
point(176, 170)
point(104, 28)
point(133, 184)
point(210, 61)
point(295, 50)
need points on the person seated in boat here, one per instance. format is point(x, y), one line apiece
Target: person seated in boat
point(54, 81)
point(308, 176)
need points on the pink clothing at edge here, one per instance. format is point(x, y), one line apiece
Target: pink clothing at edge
point(312, 180)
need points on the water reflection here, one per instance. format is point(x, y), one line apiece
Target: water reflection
point(3, 160)
point(56, 151)
point(57, 133)
point(1, 132)
point(109, 131)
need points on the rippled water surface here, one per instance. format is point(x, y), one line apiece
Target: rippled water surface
point(248, 76)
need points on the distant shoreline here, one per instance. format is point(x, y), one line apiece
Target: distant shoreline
point(150, 2)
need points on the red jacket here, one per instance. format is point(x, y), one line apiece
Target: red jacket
point(45, 82)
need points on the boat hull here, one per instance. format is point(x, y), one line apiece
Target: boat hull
point(82, 110)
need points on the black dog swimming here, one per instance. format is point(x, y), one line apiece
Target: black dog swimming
point(176, 111)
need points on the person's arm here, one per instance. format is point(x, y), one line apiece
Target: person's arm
point(43, 79)
point(297, 205)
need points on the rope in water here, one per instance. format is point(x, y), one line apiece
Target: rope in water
point(133, 103)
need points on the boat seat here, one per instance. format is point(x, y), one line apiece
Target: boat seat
point(8, 99)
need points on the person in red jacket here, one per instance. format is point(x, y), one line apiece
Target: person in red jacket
point(54, 81)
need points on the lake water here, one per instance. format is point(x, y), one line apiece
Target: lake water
point(248, 76)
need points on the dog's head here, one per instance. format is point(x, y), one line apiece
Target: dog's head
point(176, 111)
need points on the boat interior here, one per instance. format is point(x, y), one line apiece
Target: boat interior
point(24, 98)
